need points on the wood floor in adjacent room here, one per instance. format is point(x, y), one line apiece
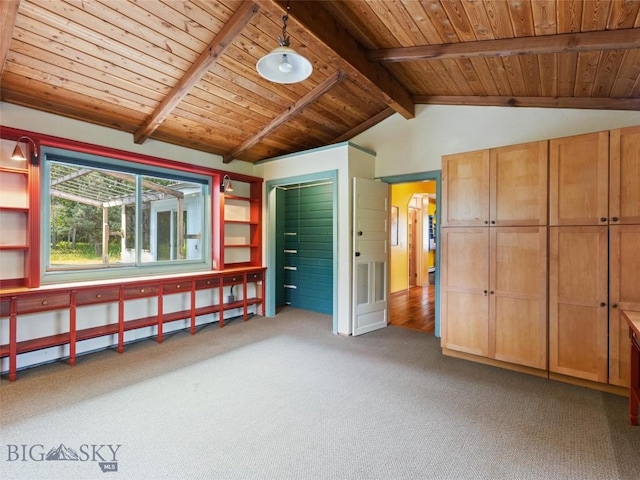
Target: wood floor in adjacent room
point(414, 308)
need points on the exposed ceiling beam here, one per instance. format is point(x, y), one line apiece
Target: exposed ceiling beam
point(320, 24)
point(285, 116)
point(377, 118)
point(599, 103)
point(561, 43)
point(8, 13)
point(210, 55)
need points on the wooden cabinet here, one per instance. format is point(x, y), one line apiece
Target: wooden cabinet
point(624, 294)
point(595, 180)
point(464, 289)
point(504, 186)
point(624, 176)
point(493, 289)
point(518, 295)
point(465, 189)
point(578, 299)
point(579, 180)
point(494, 254)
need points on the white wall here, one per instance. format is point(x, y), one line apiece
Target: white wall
point(417, 145)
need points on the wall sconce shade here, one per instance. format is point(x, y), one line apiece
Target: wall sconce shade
point(226, 185)
point(19, 155)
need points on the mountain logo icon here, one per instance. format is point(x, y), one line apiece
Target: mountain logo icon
point(62, 453)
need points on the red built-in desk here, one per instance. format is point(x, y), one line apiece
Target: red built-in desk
point(633, 319)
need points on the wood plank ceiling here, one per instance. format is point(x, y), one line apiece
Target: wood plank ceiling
point(183, 71)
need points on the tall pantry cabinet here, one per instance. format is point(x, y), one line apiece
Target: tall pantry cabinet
point(504, 247)
point(594, 260)
point(494, 254)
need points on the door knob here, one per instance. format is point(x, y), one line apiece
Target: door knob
point(357, 254)
point(359, 234)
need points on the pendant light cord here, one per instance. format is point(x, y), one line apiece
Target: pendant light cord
point(284, 40)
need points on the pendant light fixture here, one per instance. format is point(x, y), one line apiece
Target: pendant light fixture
point(283, 64)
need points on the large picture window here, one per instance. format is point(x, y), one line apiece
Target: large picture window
point(107, 215)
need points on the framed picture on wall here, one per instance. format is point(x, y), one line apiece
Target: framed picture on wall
point(394, 226)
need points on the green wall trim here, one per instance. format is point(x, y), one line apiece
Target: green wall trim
point(270, 189)
point(419, 177)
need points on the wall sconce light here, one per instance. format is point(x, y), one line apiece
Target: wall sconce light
point(226, 185)
point(18, 154)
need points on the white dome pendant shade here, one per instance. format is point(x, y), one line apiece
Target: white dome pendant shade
point(284, 65)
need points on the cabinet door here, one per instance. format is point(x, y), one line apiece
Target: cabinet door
point(518, 192)
point(465, 189)
point(464, 284)
point(624, 294)
point(579, 180)
point(578, 317)
point(518, 295)
point(624, 181)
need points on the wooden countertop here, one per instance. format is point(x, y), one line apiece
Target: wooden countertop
point(633, 319)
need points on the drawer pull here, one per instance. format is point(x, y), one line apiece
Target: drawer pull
point(99, 295)
point(178, 286)
point(208, 282)
point(44, 302)
point(142, 290)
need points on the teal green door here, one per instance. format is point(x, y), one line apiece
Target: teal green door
point(306, 261)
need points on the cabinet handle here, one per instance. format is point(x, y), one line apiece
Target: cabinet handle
point(486, 222)
point(44, 302)
point(615, 305)
point(493, 222)
point(614, 219)
point(603, 219)
point(178, 286)
point(485, 292)
point(98, 295)
point(142, 290)
point(602, 304)
point(492, 292)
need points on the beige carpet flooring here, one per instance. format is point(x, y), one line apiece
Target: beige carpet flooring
point(284, 398)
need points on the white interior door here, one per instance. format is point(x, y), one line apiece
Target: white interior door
point(370, 254)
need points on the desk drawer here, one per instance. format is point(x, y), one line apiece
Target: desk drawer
point(233, 279)
point(177, 287)
point(207, 283)
point(255, 276)
point(43, 302)
point(141, 291)
point(106, 295)
point(5, 307)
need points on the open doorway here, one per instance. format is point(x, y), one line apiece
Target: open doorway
point(413, 259)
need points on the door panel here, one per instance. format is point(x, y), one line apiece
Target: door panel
point(578, 293)
point(370, 250)
point(624, 190)
point(465, 189)
point(624, 290)
point(579, 180)
point(519, 184)
point(518, 295)
point(463, 287)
